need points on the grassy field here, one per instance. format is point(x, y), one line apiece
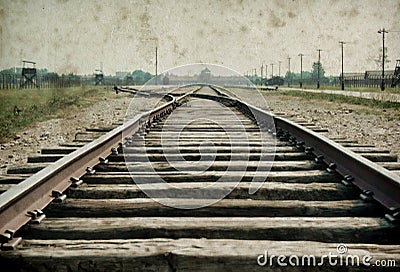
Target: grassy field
point(42, 104)
point(371, 103)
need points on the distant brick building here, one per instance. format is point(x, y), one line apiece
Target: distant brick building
point(205, 76)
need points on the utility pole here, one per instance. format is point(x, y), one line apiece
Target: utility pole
point(262, 69)
point(342, 77)
point(279, 73)
point(301, 70)
point(272, 75)
point(290, 76)
point(383, 31)
point(156, 65)
point(266, 73)
point(319, 65)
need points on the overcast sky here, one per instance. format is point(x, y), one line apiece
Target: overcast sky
point(75, 36)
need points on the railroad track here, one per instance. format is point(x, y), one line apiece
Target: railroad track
point(230, 187)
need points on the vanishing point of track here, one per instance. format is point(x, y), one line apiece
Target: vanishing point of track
point(200, 154)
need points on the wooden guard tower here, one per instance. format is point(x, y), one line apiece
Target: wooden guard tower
point(396, 77)
point(98, 76)
point(29, 74)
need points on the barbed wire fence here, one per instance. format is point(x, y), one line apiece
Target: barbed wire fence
point(13, 81)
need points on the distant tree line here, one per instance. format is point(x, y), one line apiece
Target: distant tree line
point(137, 77)
point(291, 78)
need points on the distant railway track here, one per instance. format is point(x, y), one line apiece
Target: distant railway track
point(91, 210)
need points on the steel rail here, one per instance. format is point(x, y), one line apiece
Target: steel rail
point(134, 91)
point(19, 202)
point(375, 182)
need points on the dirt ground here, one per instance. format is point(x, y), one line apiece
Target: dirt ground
point(380, 127)
point(104, 113)
point(369, 126)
